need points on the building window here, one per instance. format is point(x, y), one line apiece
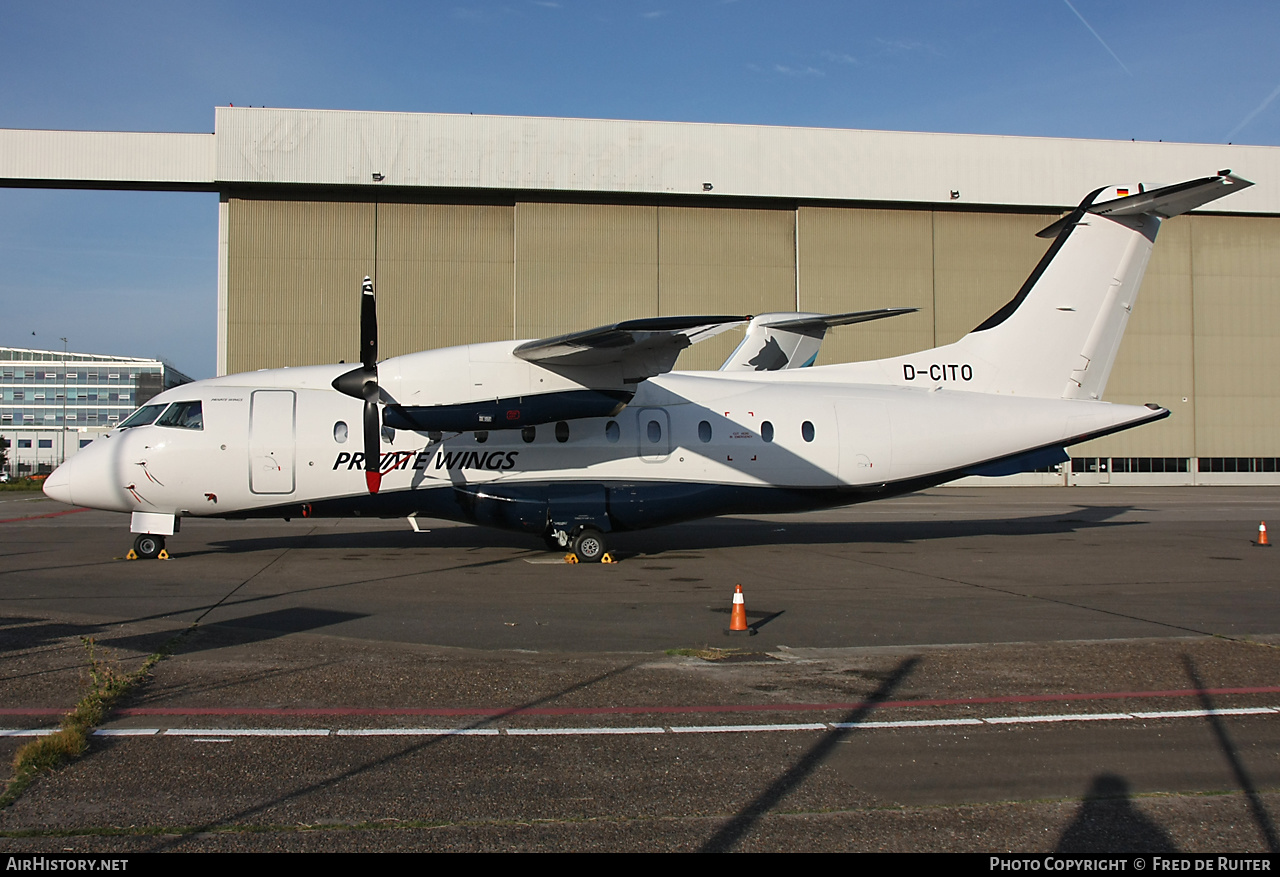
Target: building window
point(24, 443)
point(84, 443)
point(46, 443)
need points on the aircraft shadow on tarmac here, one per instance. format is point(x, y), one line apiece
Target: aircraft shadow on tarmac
point(701, 535)
point(245, 629)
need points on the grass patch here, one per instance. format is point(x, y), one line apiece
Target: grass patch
point(706, 653)
point(26, 484)
point(108, 685)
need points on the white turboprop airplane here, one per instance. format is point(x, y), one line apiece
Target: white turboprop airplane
point(571, 438)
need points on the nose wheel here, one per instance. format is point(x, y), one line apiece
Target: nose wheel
point(148, 546)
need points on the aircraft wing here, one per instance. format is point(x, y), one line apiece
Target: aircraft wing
point(643, 348)
point(791, 340)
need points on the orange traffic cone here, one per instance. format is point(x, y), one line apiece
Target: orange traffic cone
point(1262, 536)
point(738, 618)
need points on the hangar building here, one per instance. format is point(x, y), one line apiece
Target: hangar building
point(479, 228)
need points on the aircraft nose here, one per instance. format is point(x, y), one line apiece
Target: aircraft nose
point(58, 485)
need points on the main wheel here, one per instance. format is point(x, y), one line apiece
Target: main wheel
point(147, 546)
point(589, 545)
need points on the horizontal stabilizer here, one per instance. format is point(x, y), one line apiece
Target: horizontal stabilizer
point(1164, 202)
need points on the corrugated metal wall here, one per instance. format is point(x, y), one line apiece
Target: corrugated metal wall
point(716, 261)
point(1235, 265)
point(294, 271)
point(1204, 327)
point(859, 260)
point(444, 273)
point(583, 265)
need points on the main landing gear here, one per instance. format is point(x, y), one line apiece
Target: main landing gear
point(587, 543)
point(148, 546)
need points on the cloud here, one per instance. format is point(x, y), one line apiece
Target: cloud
point(903, 45)
point(546, 4)
point(839, 57)
point(797, 71)
point(658, 13)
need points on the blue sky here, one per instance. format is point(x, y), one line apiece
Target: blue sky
point(136, 273)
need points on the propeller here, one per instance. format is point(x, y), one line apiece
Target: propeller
point(362, 383)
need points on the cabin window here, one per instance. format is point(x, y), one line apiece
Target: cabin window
point(482, 436)
point(562, 432)
point(806, 431)
point(612, 432)
point(340, 432)
point(766, 431)
point(704, 431)
point(654, 431)
point(529, 433)
point(183, 415)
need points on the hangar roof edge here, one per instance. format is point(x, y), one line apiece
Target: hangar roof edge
point(309, 147)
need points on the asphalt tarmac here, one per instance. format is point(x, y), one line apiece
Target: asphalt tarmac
point(1022, 669)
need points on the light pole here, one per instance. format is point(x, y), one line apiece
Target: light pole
point(63, 450)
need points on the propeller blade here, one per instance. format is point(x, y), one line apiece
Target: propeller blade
point(372, 446)
point(368, 328)
point(362, 383)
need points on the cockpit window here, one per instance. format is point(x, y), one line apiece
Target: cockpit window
point(144, 415)
point(184, 415)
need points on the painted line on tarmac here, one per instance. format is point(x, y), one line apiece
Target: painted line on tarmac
point(224, 734)
point(37, 517)
point(444, 712)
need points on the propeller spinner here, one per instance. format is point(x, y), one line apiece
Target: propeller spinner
point(362, 383)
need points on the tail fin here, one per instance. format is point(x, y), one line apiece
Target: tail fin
point(791, 340)
point(1058, 337)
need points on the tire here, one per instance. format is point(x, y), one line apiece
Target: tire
point(147, 546)
point(589, 545)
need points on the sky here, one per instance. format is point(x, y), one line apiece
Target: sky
point(135, 273)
